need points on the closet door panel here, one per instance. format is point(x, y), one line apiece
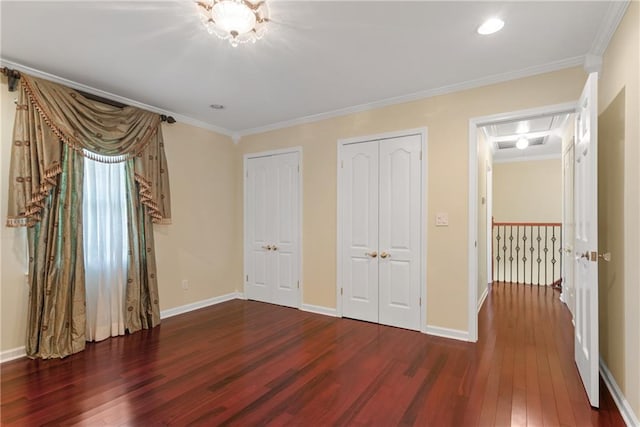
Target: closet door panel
point(259, 201)
point(399, 228)
point(360, 231)
point(285, 229)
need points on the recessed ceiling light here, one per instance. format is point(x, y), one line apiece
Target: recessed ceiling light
point(522, 143)
point(217, 106)
point(490, 26)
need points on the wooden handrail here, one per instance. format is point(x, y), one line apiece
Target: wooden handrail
point(530, 224)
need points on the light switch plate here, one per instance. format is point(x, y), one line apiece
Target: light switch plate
point(442, 219)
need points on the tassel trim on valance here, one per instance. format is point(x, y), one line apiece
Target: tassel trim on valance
point(73, 143)
point(103, 159)
point(35, 205)
point(146, 198)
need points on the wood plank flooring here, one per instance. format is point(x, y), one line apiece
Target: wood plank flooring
point(248, 363)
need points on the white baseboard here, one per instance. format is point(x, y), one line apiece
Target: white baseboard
point(629, 417)
point(483, 297)
point(454, 334)
point(170, 312)
point(319, 310)
point(12, 354)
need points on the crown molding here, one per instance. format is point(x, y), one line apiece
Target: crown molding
point(79, 86)
point(470, 84)
point(237, 135)
point(612, 18)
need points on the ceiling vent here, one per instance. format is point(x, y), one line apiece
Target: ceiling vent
point(503, 145)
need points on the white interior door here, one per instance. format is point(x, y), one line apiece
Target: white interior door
point(586, 239)
point(399, 231)
point(285, 230)
point(272, 219)
point(568, 260)
point(360, 231)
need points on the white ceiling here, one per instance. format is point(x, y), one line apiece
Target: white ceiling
point(318, 56)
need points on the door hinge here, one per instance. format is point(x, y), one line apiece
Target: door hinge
point(298, 284)
point(420, 155)
point(420, 302)
point(341, 291)
point(341, 163)
point(247, 277)
point(298, 168)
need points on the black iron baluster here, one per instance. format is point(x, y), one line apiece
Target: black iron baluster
point(553, 254)
point(496, 270)
point(524, 254)
point(511, 254)
point(538, 259)
point(517, 254)
point(531, 253)
point(546, 250)
point(504, 255)
point(560, 253)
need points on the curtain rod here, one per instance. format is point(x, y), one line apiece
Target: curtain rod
point(13, 76)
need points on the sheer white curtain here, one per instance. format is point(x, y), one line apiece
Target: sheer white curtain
point(105, 247)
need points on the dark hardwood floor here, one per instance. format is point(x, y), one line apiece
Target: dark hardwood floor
point(248, 363)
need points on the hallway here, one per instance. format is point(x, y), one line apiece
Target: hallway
point(526, 341)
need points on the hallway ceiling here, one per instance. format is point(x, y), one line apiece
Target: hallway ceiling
point(318, 58)
point(544, 134)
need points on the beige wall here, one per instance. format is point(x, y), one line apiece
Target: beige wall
point(447, 119)
point(201, 245)
point(528, 191)
point(619, 206)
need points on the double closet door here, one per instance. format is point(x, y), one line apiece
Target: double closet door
point(381, 191)
point(272, 215)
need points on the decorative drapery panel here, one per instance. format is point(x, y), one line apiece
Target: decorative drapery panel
point(141, 300)
point(55, 127)
point(56, 309)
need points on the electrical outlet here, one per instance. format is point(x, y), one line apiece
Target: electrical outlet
point(185, 285)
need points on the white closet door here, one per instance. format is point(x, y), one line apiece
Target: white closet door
point(285, 229)
point(360, 231)
point(399, 231)
point(260, 217)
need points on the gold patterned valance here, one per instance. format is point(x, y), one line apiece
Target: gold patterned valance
point(49, 114)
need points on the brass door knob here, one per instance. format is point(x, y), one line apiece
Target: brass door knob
point(385, 255)
point(267, 247)
point(371, 254)
point(274, 248)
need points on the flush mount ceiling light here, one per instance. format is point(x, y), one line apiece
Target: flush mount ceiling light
point(490, 26)
point(239, 21)
point(522, 143)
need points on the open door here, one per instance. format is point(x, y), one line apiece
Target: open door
point(586, 238)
